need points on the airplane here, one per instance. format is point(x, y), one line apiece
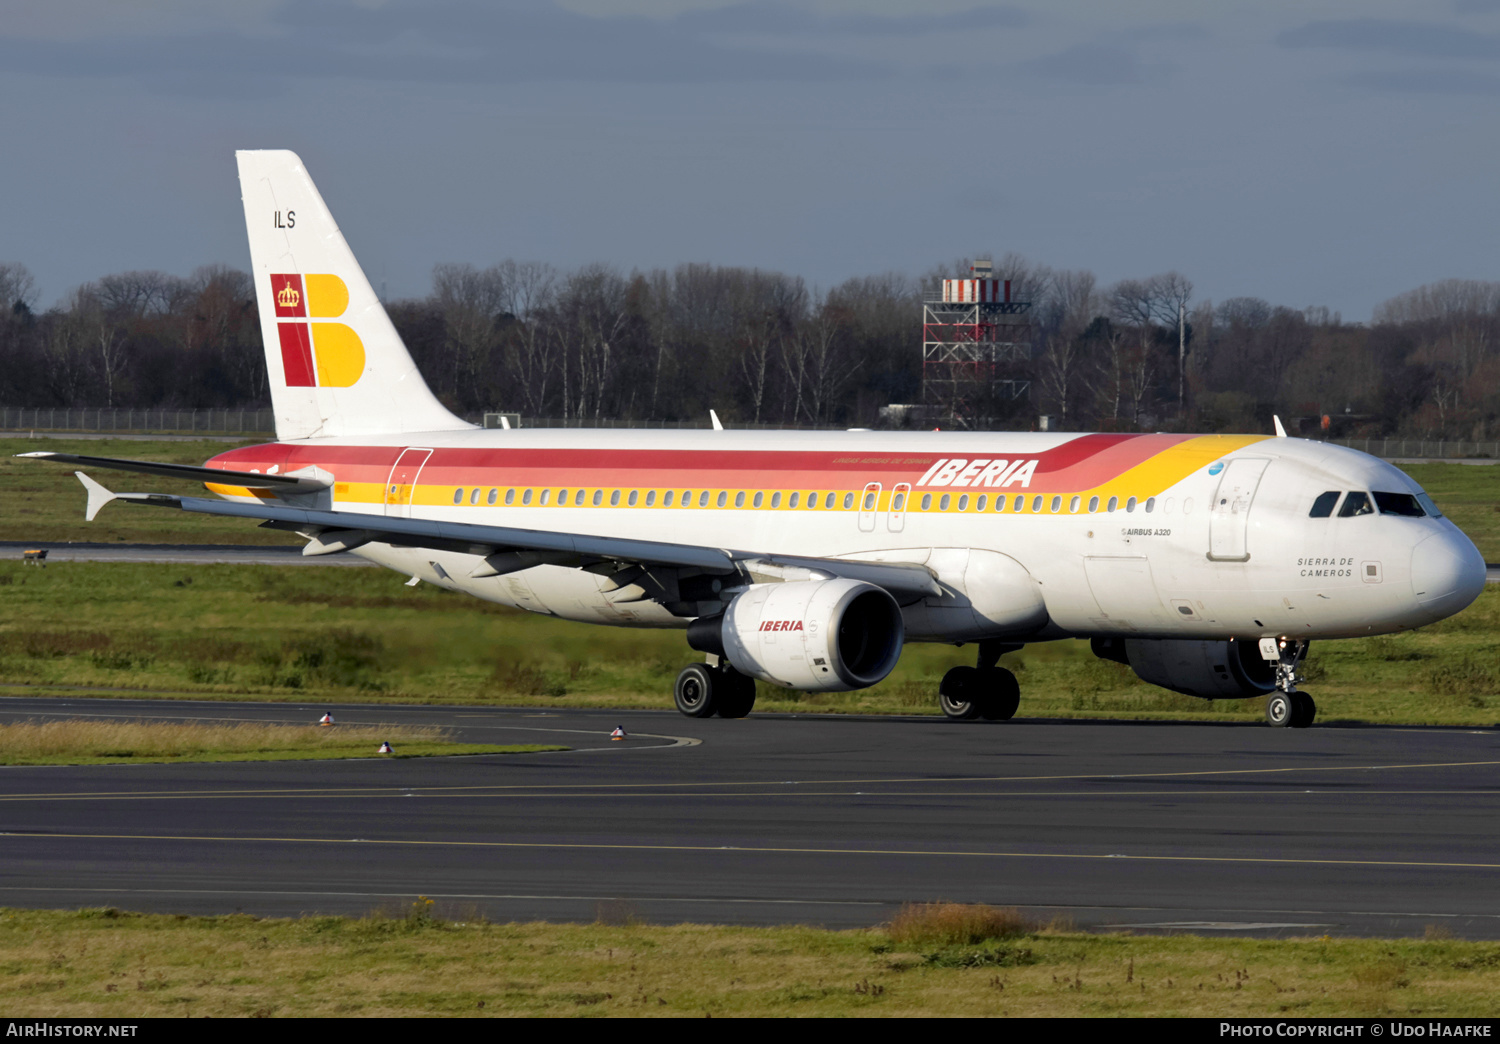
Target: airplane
point(807, 559)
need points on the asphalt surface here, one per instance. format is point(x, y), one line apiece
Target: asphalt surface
point(785, 819)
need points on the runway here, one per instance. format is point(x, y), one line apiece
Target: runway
point(786, 819)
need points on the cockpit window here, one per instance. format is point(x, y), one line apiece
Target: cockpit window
point(1323, 506)
point(1428, 505)
point(1356, 503)
point(1398, 504)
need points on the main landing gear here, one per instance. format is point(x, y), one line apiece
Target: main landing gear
point(1286, 708)
point(703, 690)
point(985, 691)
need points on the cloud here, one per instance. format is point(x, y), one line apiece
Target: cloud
point(1429, 81)
point(1407, 39)
point(1100, 65)
point(451, 42)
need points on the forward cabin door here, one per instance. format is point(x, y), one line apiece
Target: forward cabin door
point(1229, 521)
point(401, 487)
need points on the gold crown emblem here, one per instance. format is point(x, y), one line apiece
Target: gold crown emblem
point(288, 297)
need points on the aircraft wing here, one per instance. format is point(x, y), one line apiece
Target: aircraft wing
point(298, 482)
point(507, 548)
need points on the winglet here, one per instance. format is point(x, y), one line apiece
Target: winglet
point(715, 418)
point(1280, 431)
point(98, 496)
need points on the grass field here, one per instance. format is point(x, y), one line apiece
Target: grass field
point(234, 631)
point(423, 960)
point(361, 635)
point(75, 742)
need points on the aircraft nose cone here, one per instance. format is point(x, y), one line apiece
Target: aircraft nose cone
point(1447, 572)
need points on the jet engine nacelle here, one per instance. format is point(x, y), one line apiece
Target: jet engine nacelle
point(1212, 670)
point(813, 635)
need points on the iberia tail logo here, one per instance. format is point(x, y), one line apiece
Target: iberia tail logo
point(316, 355)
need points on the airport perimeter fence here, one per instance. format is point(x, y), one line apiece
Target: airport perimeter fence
point(262, 423)
point(1424, 449)
point(104, 420)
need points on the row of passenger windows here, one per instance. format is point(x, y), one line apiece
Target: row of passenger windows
point(1359, 502)
point(813, 500)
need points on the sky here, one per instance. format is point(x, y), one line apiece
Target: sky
point(1315, 153)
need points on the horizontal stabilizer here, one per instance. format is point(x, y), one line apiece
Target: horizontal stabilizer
point(194, 473)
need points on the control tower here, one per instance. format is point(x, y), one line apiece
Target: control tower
point(976, 351)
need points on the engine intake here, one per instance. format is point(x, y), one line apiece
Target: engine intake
point(1227, 670)
point(813, 635)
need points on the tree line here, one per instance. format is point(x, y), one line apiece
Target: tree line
point(764, 347)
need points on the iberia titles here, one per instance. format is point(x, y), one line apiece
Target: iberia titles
point(957, 471)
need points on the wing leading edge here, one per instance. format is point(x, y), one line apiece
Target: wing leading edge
point(506, 549)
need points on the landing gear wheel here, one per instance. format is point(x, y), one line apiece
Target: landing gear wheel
point(735, 693)
point(1002, 694)
point(1304, 710)
point(957, 692)
point(1281, 709)
point(697, 690)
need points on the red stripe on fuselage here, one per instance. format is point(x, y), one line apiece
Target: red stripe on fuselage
point(1081, 463)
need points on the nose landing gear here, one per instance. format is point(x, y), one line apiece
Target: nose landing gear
point(1287, 707)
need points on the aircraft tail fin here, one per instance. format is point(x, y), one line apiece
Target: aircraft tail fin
point(336, 365)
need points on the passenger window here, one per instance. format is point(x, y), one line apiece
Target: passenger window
point(828, 501)
point(598, 497)
point(899, 502)
point(1323, 506)
point(776, 500)
point(723, 498)
point(634, 495)
point(546, 496)
point(792, 502)
point(1056, 505)
point(739, 499)
point(703, 499)
point(1093, 504)
point(963, 502)
point(759, 499)
point(1073, 504)
point(578, 498)
point(562, 498)
point(812, 500)
point(614, 498)
point(474, 497)
point(1000, 503)
point(1150, 504)
point(494, 495)
point(981, 503)
point(650, 497)
point(1036, 503)
point(1114, 502)
point(666, 500)
point(869, 502)
point(458, 496)
point(926, 501)
point(1019, 505)
point(526, 497)
point(1130, 504)
point(943, 504)
point(1398, 504)
point(510, 497)
point(1355, 503)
